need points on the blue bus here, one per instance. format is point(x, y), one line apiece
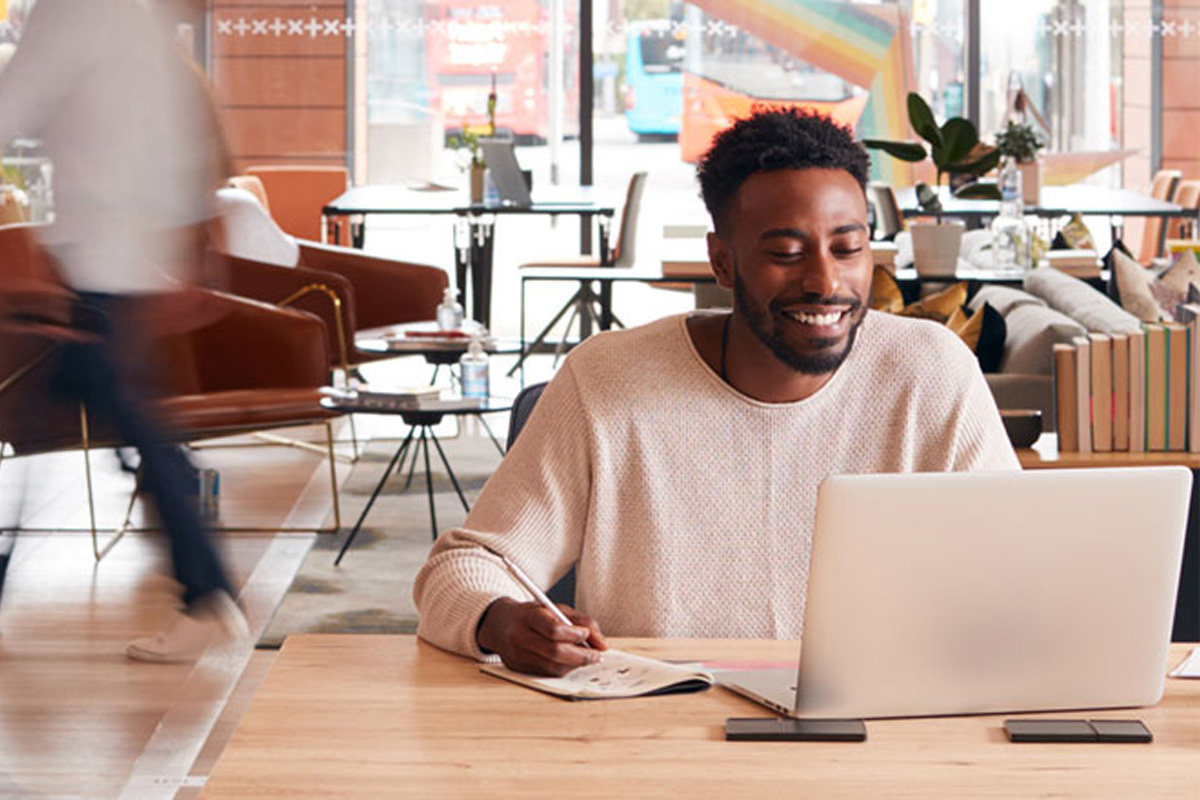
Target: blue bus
point(653, 78)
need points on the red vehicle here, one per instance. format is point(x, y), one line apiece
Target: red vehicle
point(469, 41)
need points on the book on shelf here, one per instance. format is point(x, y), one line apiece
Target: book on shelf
point(1189, 314)
point(1177, 381)
point(1102, 392)
point(617, 674)
point(1120, 391)
point(1083, 393)
point(1156, 387)
point(1137, 391)
point(1065, 411)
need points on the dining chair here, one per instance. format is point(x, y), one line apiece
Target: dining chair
point(1187, 195)
point(586, 305)
point(1153, 228)
point(888, 221)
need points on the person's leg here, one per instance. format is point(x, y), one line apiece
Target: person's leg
point(98, 374)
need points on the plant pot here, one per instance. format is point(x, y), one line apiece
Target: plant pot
point(477, 174)
point(936, 246)
point(1031, 181)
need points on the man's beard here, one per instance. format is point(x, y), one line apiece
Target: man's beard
point(822, 362)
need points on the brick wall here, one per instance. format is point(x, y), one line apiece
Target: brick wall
point(279, 77)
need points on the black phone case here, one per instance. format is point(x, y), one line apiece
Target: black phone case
point(776, 729)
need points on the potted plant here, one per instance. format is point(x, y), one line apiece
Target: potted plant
point(469, 143)
point(1021, 142)
point(956, 152)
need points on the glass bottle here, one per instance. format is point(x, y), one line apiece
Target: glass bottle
point(450, 312)
point(473, 370)
point(1011, 237)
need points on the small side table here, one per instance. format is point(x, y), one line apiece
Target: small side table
point(421, 417)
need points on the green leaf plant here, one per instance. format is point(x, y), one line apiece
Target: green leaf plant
point(954, 150)
point(469, 141)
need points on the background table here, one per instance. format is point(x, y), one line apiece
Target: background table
point(1056, 201)
point(473, 244)
point(421, 419)
point(382, 716)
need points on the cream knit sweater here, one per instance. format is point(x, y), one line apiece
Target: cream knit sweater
point(687, 506)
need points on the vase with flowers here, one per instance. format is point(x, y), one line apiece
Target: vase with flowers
point(471, 161)
point(1021, 142)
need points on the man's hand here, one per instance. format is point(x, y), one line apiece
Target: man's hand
point(528, 638)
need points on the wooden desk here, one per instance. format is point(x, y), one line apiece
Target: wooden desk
point(1044, 455)
point(386, 716)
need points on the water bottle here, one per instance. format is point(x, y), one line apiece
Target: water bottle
point(491, 192)
point(1011, 239)
point(473, 370)
point(450, 312)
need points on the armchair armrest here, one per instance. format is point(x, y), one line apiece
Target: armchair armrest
point(325, 294)
point(387, 292)
point(255, 345)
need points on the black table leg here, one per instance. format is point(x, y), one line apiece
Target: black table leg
point(429, 482)
point(370, 502)
point(450, 472)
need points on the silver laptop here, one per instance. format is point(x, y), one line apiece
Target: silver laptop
point(501, 160)
point(968, 593)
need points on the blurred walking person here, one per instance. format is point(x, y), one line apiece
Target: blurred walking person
point(136, 155)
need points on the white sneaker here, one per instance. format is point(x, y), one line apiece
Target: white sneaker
point(186, 640)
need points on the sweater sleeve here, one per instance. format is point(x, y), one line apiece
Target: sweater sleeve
point(534, 510)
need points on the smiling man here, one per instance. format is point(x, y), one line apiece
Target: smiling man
point(676, 465)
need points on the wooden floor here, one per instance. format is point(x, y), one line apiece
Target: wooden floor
point(77, 719)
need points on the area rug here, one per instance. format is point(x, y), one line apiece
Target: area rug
point(371, 591)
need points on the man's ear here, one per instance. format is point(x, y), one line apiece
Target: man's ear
point(721, 260)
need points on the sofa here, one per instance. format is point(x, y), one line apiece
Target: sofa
point(1050, 309)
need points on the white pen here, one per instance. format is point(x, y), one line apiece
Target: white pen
point(533, 589)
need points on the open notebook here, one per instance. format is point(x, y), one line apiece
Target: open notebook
point(618, 674)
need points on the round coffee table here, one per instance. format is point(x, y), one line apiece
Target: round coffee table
point(421, 415)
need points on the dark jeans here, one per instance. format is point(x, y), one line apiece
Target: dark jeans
point(105, 376)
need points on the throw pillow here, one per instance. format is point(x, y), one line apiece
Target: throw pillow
point(1080, 301)
point(1170, 288)
point(1074, 236)
point(1030, 335)
point(1134, 289)
point(1003, 298)
point(983, 332)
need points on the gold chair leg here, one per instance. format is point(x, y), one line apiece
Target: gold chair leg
point(337, 508)
point(98, 551)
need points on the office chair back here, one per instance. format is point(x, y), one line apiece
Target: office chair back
point(888, 221)
point(624, 250)
point(1153, 230)
point(298, 193)
point(563, 591)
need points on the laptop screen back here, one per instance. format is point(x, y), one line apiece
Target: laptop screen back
point(501, 160)
point(960, 593)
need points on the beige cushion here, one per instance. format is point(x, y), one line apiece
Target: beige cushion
point(1170, 288)
point(1003, 299)
point(1031, 333)
point(1079, 301)
point(1134, 288)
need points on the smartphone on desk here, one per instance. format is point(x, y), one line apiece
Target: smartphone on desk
point(782, 729)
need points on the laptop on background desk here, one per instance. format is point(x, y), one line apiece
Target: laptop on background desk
point(970, 593)
point(514, 191)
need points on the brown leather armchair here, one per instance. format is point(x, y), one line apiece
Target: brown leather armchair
point(246, 366)
point(347, 289)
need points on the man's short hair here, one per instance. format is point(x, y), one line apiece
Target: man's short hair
point(771, 139)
